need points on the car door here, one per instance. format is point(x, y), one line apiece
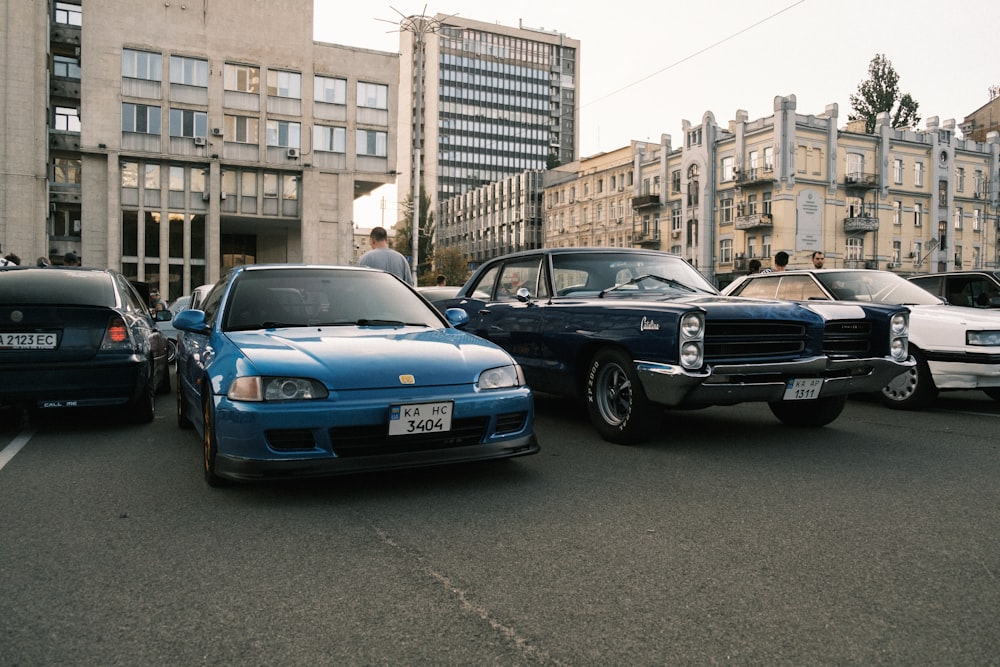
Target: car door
point(512, 315)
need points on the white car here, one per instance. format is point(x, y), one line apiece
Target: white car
point(955, 347)
point(165, 323)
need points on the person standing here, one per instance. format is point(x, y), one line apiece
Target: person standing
point(754, 267)
point(71, 259)
point(381, 256)
point(818, 258)
point(780, 262)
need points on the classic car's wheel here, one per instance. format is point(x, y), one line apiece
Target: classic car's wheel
point(912, 390)
point(810, 414)
point(182, 418)
point(616, 402)
point(209, 443)
point(142, 409)
point(993, 393)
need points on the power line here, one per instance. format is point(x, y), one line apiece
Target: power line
point(696, 53)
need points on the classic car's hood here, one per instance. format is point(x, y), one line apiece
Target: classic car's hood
point(370, 358)
point(723, 307)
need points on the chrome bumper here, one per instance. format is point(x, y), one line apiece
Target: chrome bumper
point(728, 384)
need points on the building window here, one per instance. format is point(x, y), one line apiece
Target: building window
point(290, 186)
point(855, 249)
point(918, 214)
point(187, 123)
point(897, 171)
point(960, 179)
point(370, 142)
point(242, 129)
point(176, 179)
point(725, 251)
point(283, 133)
point(727, 168)
point(140, 118)
point(66, 67)
point(67, 119)
point(726, 211)
point(977, 219)
point(189, 71)
point(241, 78)
point(897, 212)
point(330, 139)
point(373, 95)
point(958, 218)
point(675, 181)
point(918, 174)
point(66, 170)
point(675, 219)
point(751, 204)
point(142, 65)
point(980, 189)
point(765, 245)
point(284, 84)
point(67, 14)
point(130, 174)
point(897, 252)
point(769, 158)
point(330, 90)
point(765, 203)
point(151, 180)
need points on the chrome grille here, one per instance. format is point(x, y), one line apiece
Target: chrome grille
point(730, 340)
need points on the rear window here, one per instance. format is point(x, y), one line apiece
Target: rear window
point(51, 286)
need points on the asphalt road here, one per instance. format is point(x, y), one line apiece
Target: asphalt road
point(729, 539)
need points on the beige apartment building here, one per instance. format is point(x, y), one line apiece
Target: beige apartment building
point(174, 140)
point(903, 200)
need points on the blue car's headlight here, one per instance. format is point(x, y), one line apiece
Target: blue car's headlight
point(502, 377)
point(256, 388)
point(990, 338)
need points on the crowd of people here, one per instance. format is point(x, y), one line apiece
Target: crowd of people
point(781, 262)
point(11, 259)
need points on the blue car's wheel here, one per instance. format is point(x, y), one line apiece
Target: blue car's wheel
point(209, 443)
point(182, 418)
point(616, 401)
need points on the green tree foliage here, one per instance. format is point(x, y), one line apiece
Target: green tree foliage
point(880, 93)
point(404, 233)
point(452, 264)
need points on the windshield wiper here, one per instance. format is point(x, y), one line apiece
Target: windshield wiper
point(634, 281)
point(365, 322)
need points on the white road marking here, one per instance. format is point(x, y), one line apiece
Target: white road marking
point(14, 447)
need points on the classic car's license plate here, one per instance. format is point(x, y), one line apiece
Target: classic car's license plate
point(419, 418)
point(803, 389)
point(28, 341)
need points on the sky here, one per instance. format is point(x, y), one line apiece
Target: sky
point(648, 66)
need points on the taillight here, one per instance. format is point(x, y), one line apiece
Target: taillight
point(116, 336)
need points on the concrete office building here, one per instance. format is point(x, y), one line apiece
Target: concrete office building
point(486, 102)
point(171, 141)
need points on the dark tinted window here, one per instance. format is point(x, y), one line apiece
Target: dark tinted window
point(54, 286)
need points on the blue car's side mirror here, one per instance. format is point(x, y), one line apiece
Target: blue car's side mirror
point(456, 317)
point(191, 320)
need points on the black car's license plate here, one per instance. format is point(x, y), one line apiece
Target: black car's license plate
point(28, 341)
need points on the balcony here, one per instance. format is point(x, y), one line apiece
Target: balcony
point(861, 223)
point(645, 200)
point(754, 176)
point(646, 239)
point(753, 221)
point(861, 181)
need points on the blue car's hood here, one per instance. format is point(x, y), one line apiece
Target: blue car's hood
point(369, 358)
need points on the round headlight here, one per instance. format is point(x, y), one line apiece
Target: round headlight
point(692, 325)
point(899, 324)
point(691, 355)
point(898, 349)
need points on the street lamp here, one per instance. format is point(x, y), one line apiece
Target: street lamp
point(419, 26)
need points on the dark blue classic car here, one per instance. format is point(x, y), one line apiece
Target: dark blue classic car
point(633, 331)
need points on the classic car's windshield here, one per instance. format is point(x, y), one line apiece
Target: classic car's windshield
point(599, 271)
point(298, 297)
point(877, 286)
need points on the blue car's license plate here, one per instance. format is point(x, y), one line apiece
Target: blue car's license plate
point(420, 418)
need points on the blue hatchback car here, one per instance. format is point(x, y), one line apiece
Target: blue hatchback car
point(296, 370)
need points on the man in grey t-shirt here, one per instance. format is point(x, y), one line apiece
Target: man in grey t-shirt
point(381, 256)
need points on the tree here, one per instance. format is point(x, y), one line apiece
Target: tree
point(880, 93)
point(404, 234)
point(452, 264)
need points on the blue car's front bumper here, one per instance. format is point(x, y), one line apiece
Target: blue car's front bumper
point(347, 434)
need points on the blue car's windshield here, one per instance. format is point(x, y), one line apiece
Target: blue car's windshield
point(323, 296)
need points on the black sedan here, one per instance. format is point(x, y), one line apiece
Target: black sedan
point(633, 331)
point(78, 337)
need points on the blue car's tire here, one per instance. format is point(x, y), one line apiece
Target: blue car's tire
point(209, 443)
point(616, 401)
